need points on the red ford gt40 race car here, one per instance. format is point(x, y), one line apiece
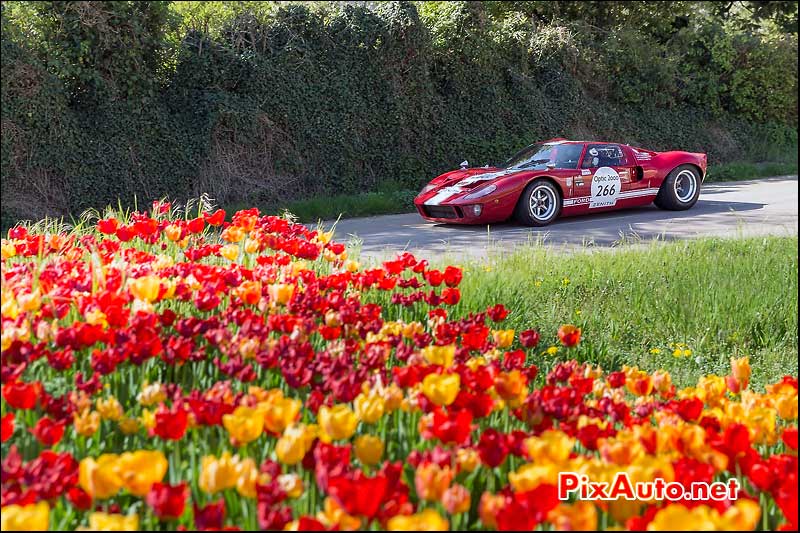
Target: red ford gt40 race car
point(561, 177)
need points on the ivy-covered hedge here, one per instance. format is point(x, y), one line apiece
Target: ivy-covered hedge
point(266, 107)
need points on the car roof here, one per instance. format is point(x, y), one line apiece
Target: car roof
point(567, 141)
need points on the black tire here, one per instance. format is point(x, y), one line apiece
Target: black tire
point(549, 204)
point(680, 189)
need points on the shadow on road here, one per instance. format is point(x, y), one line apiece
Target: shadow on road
point(648, 213)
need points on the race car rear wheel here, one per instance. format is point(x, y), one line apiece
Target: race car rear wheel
point(539, 204)
point(680, 189)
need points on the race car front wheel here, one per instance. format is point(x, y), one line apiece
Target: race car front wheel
point(680, 189)
point(539, 204)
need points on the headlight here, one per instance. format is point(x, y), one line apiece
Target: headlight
point(427, 188)
point(481, 193)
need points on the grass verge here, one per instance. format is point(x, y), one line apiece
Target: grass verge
point(720, 298)
point(348, 205)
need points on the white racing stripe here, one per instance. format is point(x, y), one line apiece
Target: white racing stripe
point(442, 195)
point(637, 193)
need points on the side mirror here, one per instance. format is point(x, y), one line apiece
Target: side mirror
point(551, 165)
point(464, 164)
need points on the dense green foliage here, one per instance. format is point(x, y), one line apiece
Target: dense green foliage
point(268, 104)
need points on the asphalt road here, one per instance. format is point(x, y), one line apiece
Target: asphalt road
point(745, 208)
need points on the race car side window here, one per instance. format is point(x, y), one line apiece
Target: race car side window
point(604, 155)
point(567, 155)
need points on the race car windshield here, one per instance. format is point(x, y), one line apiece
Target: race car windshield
point(540, 155)
point(532, 156)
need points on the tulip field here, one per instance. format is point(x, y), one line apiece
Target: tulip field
point(167, 370)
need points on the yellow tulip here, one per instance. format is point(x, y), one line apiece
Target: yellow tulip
point(251, 246)
point(291, 484)
point(129, 425)
point(232, 234)
point(675, 517)
point(145, 288)
point(579, 516)
point(369, 407)
point(245, 424)
point(113, 522)
point(100, 478)
point(551, 446)
point(743, 515)
point(34, 517)
point(468, 459)
point(489, 506)
point(503, 337)
point(431, 480)
point(427, 520)
point(440, 355)
point(248, 477)
point(369, 449)
point(109, 409)
point(87, 422)
point(334, 515)
point(30, 301)
point(280, 293)
point(8, 250)
point(441, 389)
point(741, 371)
point(218, 474)
point(173, 232)
point(530, 475)
point(139, 470)
point(786, 405)
point(336, 423)
point(151, 394)
point(96, 317)
point(230, 252)
point(295, 443)
point(279, 412)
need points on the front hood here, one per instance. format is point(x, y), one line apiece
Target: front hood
point(454, 185)
point(470, 178)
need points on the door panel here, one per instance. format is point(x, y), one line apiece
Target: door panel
point(607, 180)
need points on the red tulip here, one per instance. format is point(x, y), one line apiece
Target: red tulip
point(107, 226)
point(452, 427)
point(48, 432)
point(305, 523)
point(434, 277)
point(79, 498)
point(497, 313)
point(22, 395)
point(171, 423)
point(789, 438)
point(493, 448)
point(359, 495)
point(569, 335)
point(7, 427)
point(690, 408)
point(216, 218)
point(452, 276)
point(211, 516)
point(529, 338)
point(168, 501)
point(736, 438)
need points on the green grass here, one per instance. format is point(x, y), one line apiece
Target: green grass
point(722, 298)
point(348, 205)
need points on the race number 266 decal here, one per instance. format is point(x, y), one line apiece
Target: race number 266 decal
point(605, 188)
